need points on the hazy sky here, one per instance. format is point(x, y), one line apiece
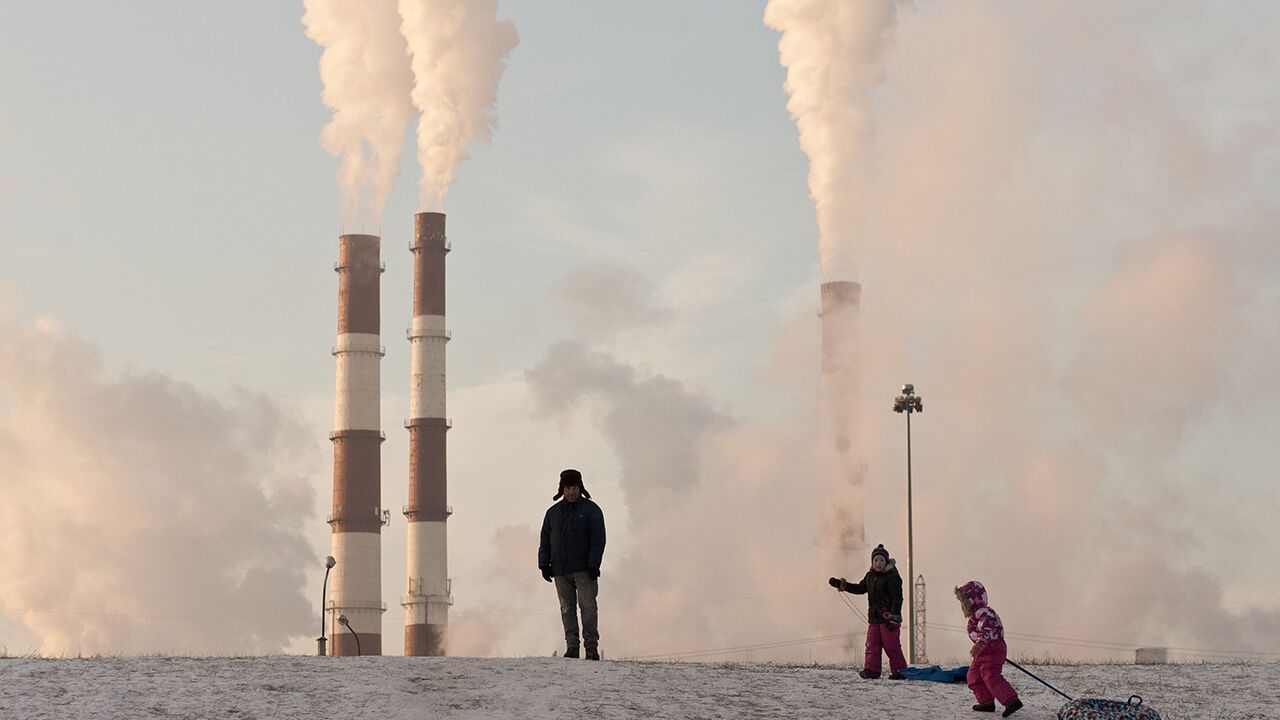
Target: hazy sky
point(1066, 231)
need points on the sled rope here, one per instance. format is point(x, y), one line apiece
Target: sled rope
point(1042, 682)
point(849, 604)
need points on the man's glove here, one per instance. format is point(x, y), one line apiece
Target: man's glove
point(546, 573)
point(837, 583)
point(595, 573)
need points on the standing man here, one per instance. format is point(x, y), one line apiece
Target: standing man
point(569, 554)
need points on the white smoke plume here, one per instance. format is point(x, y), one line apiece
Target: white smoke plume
point(1069, 278)
point(459, 50)
point(834, 54)
point(367, 81)
point(142, 516)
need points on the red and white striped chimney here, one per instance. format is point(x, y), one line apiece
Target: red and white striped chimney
point(426, 603)
point(841, 454)
point(357, 519)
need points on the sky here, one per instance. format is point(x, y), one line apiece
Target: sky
point(1063, 218)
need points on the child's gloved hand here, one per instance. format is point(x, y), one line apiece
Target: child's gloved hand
point(837, 583)
point(893, 619)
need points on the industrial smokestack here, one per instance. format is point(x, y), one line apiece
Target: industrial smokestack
point(841, 457)
point(357, 437)
point(839, 313)
point(426, 604)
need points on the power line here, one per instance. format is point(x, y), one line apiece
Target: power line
point(1049, 638)
point(625, 608)
point(1112, 645)
point(1173, 599)
point(628, 608)
point(766, 646)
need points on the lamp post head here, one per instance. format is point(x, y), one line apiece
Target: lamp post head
point(330, 562)
point(908, 401)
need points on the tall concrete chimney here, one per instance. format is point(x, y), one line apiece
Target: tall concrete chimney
point(426, 603)
point(357, 517)
point(841, 455)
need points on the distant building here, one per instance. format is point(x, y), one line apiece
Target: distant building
point(1151, 656)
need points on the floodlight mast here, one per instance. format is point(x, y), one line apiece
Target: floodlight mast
point(908, 402)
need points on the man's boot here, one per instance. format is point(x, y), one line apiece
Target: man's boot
point(571, 653)
point(593, 654)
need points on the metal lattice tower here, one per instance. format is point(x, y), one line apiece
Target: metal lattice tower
point(917, 625)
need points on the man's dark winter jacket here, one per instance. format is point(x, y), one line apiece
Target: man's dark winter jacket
point(572, 537)
point(884, 593)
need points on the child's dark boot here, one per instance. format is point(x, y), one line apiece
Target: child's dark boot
point(985, 707)
point(868, 675)
point(1014, 706)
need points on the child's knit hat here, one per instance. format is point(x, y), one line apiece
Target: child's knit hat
point(881, 552)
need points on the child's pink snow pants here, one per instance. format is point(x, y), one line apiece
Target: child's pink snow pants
point(986, 678)
point(882, 636)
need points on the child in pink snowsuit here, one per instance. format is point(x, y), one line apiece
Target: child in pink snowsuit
point(986, 677)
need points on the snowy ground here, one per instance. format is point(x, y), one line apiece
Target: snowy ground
point(391, 688)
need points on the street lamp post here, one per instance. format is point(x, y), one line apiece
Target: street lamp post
point(908, 402)
point(329, 562)
point(342, 620)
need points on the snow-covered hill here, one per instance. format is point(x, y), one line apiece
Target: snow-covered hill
point(394, 688)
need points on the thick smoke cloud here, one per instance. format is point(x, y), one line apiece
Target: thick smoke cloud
point(367, 81)
point(142, 516)
point(1063, 269)
point(1186, 287)
point(570, 375)
point(1069, 248)
point(459, 50)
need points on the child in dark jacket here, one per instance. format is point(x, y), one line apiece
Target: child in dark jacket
point(986, 677)
point(883, 587)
